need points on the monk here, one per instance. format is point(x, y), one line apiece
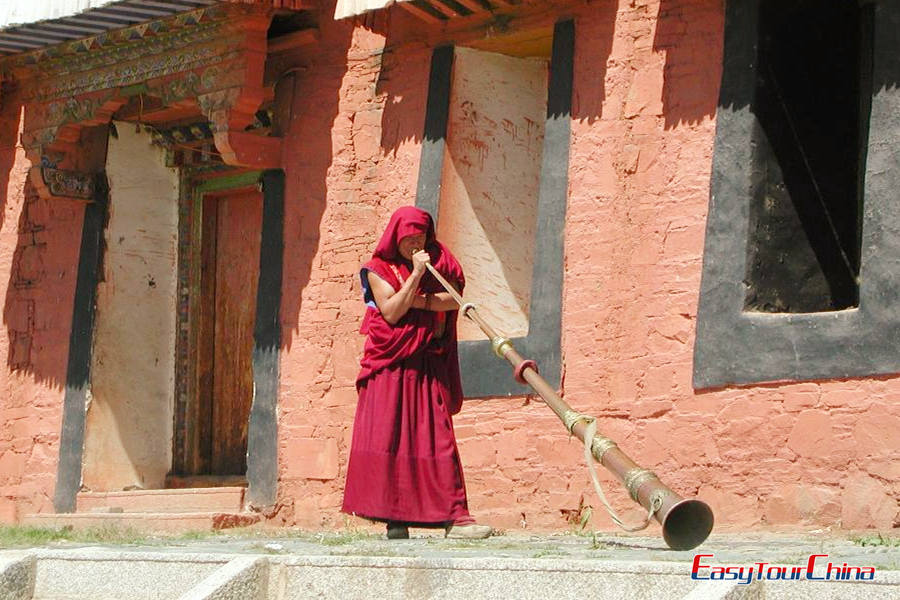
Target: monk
point(404, 466)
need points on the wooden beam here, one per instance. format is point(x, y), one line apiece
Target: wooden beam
point(422, 14)
point(529, 15)
point(242, 149)
point(473, 5)
point(442, 8)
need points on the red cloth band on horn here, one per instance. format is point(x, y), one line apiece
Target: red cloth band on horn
point(520, 369)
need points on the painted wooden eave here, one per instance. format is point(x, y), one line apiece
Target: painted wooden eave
point(27, 25)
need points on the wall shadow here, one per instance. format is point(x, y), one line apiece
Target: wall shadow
point(10, 117)
point(308, 96)
point(883, 20)
point(593, 46)
point(691, 33)
point(403, 79)
point(37, 310)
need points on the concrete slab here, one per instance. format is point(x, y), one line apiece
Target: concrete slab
point(720, 590)
point(284, 565)
point(389, 578)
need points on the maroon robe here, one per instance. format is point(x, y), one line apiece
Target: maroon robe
point(404, 464)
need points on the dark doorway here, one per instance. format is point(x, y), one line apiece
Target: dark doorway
point(812, 103)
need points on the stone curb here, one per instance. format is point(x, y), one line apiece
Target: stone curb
point(487, 564)
point(90, 573)
point(17, 577)
point(727, 591)
point(243, 578)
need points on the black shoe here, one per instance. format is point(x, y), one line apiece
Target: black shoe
point(397, 530)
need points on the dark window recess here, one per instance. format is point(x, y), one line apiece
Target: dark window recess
point(812, 104)
point(287, 23)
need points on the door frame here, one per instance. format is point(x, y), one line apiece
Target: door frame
point(262, 449)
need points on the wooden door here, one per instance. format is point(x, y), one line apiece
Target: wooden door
point(230, 273)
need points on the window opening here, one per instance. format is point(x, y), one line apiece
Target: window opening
point(812, 104)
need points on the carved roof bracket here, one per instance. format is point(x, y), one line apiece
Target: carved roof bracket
point(230, 113)
point(60, 183)
point(211, 62)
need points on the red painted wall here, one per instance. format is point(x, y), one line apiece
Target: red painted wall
point(646, 84)
point(39, 244)
point(646, 87)
point(351, 157)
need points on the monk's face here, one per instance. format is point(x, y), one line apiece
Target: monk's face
point(410, 244)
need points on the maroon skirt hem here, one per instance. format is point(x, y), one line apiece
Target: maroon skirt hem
point(404, 463)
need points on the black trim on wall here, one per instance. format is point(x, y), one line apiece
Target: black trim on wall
point(81, 337)
point(737, 347)
point(483, 373)
point(262, 435)
point(437, 112)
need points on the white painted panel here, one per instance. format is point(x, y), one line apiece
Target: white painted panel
point(128, 440)
point(490, 182)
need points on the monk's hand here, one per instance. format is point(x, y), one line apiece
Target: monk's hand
point(420, 258)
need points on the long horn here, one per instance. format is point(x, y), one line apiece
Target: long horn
point(686, 523)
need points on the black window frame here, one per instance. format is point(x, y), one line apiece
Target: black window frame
point(483, 374)
point(735, 346)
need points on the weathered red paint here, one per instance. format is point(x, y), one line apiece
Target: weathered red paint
point(38, 259)
point(646, 85)
point(808, 454)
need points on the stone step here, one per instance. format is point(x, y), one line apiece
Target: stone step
point(205, 481)
point(179, 522)
point(224, 499)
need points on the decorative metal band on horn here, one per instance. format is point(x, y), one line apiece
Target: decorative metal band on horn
point(501, 346)
point(600, 446)
point(635, 478)
point(571, 417)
